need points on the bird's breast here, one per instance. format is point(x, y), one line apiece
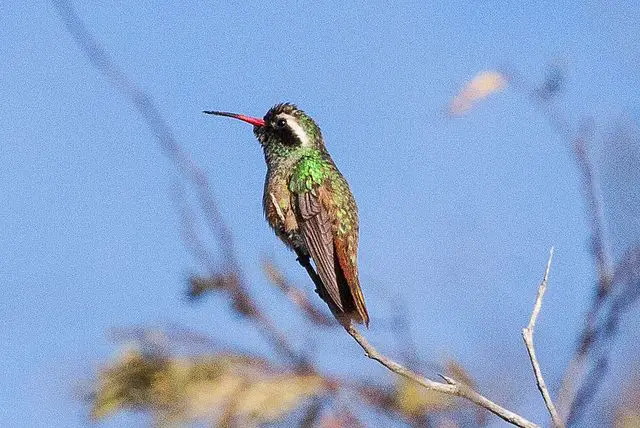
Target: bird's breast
point(278, 209)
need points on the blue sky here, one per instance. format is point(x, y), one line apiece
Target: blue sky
point(457, 215)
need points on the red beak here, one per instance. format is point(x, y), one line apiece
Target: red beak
point(252, 120)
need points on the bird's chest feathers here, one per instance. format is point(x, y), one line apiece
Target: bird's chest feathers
point(278, 206)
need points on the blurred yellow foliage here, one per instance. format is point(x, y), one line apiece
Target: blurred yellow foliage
point(225, 388)
point(481, 86)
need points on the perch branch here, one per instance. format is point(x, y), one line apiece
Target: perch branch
point(527, 335)
point(452, 387)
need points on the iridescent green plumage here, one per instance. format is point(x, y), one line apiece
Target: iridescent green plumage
point(309, 205)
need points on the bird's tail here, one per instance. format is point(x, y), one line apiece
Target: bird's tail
point(352, 306)
point(352, 300)
point(360, 314)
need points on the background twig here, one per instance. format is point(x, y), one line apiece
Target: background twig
point(234, 282)
point(527, 335)
point(616, 286)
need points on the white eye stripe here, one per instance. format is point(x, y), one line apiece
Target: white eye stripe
point(297, 129)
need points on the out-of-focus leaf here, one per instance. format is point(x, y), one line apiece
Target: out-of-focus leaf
point(270, 399)
point(480, 87)
point(126, 383)
point(232, 387)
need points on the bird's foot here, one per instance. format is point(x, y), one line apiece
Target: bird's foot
point(303, 259)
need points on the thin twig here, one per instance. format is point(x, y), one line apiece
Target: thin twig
point(452, 387)
point(527, 335)
point(574, 375)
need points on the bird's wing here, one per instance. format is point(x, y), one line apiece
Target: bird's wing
point(316, 229)
point(348, 275)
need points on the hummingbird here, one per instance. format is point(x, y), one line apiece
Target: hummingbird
point(309, 205)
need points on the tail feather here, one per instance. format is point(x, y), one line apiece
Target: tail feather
point(358, 299)
point(352, 298)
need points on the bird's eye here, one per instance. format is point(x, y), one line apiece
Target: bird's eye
point(281, 123)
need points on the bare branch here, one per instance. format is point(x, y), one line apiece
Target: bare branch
point(452, 387)
point(541, 291)
point(527, 335)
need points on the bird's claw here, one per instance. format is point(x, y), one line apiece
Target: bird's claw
point(303, 260)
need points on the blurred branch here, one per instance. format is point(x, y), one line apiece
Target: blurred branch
point(527, 335)
point(300, 299)
point(612, 294)
point(575, 372)
point(623, 292)
point(146, 106)
point(617, 288)
point(595, 211)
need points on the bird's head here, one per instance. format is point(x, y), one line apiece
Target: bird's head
point(284, 129)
